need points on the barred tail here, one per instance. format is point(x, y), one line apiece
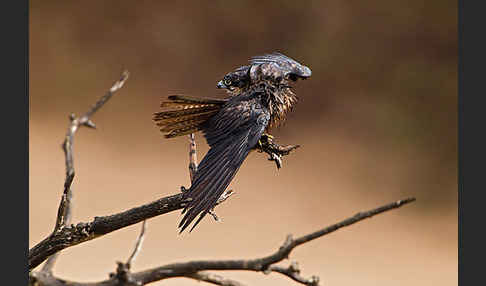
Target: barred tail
point(185, 115)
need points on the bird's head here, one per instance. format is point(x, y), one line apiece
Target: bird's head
point(236, 80)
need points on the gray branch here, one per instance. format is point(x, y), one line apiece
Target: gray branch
point(293, 272)
point(263, 264)
point(65, 206)
point(214, 279)
point(138, 245)
point(192, 156)
point(75, 234)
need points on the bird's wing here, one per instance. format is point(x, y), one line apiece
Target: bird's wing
point(274, 57)
point(231, 134)
point(277, 64)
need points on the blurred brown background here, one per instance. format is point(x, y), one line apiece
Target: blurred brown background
point(377, 123)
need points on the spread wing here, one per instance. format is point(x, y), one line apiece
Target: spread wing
point(231, 134)
point(274, 57)
point(282, 63)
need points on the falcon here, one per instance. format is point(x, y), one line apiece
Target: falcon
point(260, 98)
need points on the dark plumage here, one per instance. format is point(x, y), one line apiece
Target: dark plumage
point(237, 81)
point(260, 99)
point(186, 114)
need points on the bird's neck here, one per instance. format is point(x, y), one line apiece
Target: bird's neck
point(279, 99)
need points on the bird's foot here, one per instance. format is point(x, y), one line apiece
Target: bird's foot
point(268, 136)
point(277, 159)
point(260, 146)
point(264, 141)
point(274, 150)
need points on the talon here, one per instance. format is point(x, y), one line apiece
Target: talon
point(279, 162)
point(277, 159)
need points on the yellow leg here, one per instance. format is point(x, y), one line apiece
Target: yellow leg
point(268, 135)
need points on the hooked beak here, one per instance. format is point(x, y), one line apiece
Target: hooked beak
point(221, 84)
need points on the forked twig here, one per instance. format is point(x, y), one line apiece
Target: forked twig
point(293, 272)
point(65, 206)
point(215, 279)
point(138, 245)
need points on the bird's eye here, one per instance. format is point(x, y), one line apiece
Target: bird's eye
point(227, 81)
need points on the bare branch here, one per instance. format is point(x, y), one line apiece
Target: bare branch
point(138, 245)
point(263, 264)
point(82, 232)
point(123, 276)
point(192, 156)
point(72, 235)
point(65, 206)
point(214, 279)
point(293, 272)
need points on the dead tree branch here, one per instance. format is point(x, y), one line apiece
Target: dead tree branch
point(214, 279)
point(264, 264)
point(293, 272)
point(138, 245)
point(192, 156)
point(75, 234)
point(65, 206)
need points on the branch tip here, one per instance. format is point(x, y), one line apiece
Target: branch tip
point(64, 209)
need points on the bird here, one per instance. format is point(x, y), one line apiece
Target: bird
point(236, 82)
point(259, 99)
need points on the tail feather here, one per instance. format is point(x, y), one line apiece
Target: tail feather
point(183, 105)
point(185, 115)
point(172, 114)
point(193, 100)
point(181, 124)
point(182, 131)
point(197, 115)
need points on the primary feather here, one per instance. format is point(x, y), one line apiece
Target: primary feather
point(231, 134)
